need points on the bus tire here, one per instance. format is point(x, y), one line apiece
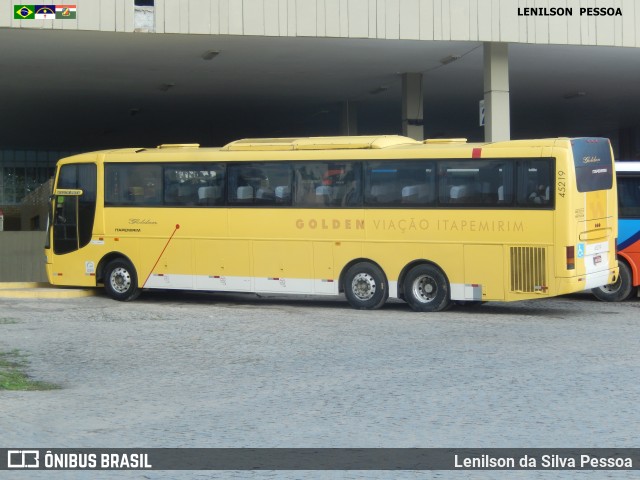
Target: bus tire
point(620, 290)
point(365, 286)
point(121, 280)
point(426, 289)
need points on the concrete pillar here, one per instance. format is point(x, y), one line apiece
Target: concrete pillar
point(412, 106)
point(349, 118)
point(497, 126)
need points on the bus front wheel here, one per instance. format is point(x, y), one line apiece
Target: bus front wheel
point(426, 289)
point(121, 280)
point(365, 286)
point(620, 290)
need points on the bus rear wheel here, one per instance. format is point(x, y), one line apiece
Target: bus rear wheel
point(121, 280)
point(426, 289)
point(365, 286)
point(620, 290)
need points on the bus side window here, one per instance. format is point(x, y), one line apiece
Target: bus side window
point(540, 194)
point(283, 194)
point(351, 195)
point(258, 183)
point(209, 195)
point(398, 183)
point(305, 185)
point(244, 194)
point(534, 183)
point(334, 184)
point(459, 182)
point(629, 196)
point(139, 184)
point(194, 184)
point(505, 188)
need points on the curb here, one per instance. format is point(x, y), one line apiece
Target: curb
point(41, 290)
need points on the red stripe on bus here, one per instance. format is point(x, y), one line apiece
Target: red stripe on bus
point(161, 253)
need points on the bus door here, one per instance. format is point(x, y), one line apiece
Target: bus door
point(66, 236)
point(73, 207)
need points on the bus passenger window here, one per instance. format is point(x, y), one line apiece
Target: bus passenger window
point(260, 183)
point(330, 184)
point(129, 184)
point(283, 194)
point(145, 183)
point(534, 183)
point(459, 181)
point(398, 183)
point(415, 193)
point(351, 196)
point(244, 194)
point(539, 195)
point(505, 188)
point(194, 184)
point(209, 195)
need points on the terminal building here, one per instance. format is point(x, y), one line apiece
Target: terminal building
point(103, 74)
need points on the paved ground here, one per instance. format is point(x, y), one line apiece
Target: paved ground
point(220, 370)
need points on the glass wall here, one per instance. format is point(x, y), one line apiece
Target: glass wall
point(22, 171)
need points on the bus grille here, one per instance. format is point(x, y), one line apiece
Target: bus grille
point(529, 269)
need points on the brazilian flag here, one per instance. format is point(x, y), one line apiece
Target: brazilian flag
point(24, 12)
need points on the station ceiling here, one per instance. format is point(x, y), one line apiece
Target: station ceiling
point(75, 90)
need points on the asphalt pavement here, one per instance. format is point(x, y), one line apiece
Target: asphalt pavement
point(222, 370)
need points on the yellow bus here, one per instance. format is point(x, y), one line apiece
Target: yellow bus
point(372, 217)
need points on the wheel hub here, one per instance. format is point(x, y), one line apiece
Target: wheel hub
point(613, 287)
point(363, 286)
point(424, 288)
point(120, 280)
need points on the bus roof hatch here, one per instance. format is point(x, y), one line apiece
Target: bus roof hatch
point(320, 143)
point(429, 141)
point(179, 145)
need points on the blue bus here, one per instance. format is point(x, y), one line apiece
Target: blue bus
point(628, 245)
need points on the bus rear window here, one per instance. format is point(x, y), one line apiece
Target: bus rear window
point(592, 159)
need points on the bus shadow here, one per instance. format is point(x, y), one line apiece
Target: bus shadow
point(236, 299)
point(251, 300)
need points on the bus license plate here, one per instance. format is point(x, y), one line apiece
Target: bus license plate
point(597, 259)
